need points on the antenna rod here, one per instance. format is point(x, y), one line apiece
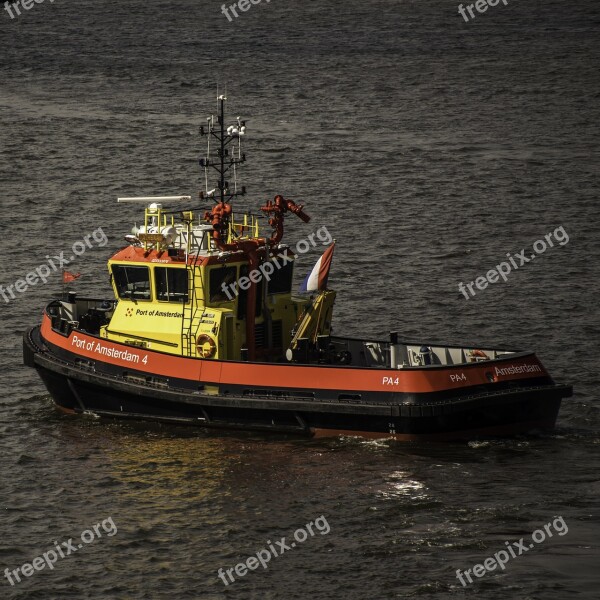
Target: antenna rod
point(222, 119)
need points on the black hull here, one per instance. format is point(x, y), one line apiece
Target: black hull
point(504, 412)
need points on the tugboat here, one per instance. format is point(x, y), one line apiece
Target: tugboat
point(203, 329)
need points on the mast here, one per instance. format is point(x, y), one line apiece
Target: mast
point(227, 158)
point(256, 249)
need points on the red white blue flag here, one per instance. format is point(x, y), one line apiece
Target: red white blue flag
point(317, 278)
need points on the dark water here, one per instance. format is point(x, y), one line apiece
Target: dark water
point(430, 148)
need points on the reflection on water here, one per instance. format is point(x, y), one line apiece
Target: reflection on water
point(400, 484)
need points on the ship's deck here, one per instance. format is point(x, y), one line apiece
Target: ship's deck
point(88, 314)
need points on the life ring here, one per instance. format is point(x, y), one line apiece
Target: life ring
point(206, 346)
point(475, 354)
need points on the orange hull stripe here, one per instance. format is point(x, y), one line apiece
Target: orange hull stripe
point(288, 376)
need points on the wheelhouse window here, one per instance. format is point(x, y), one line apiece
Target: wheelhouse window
point(132, 283)
point(171, 284)
point(281, 280)
point(220, 284)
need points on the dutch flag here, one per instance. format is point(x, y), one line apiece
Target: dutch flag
point(317, 277)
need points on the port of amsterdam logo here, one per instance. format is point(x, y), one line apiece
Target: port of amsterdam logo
point(129, 312)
